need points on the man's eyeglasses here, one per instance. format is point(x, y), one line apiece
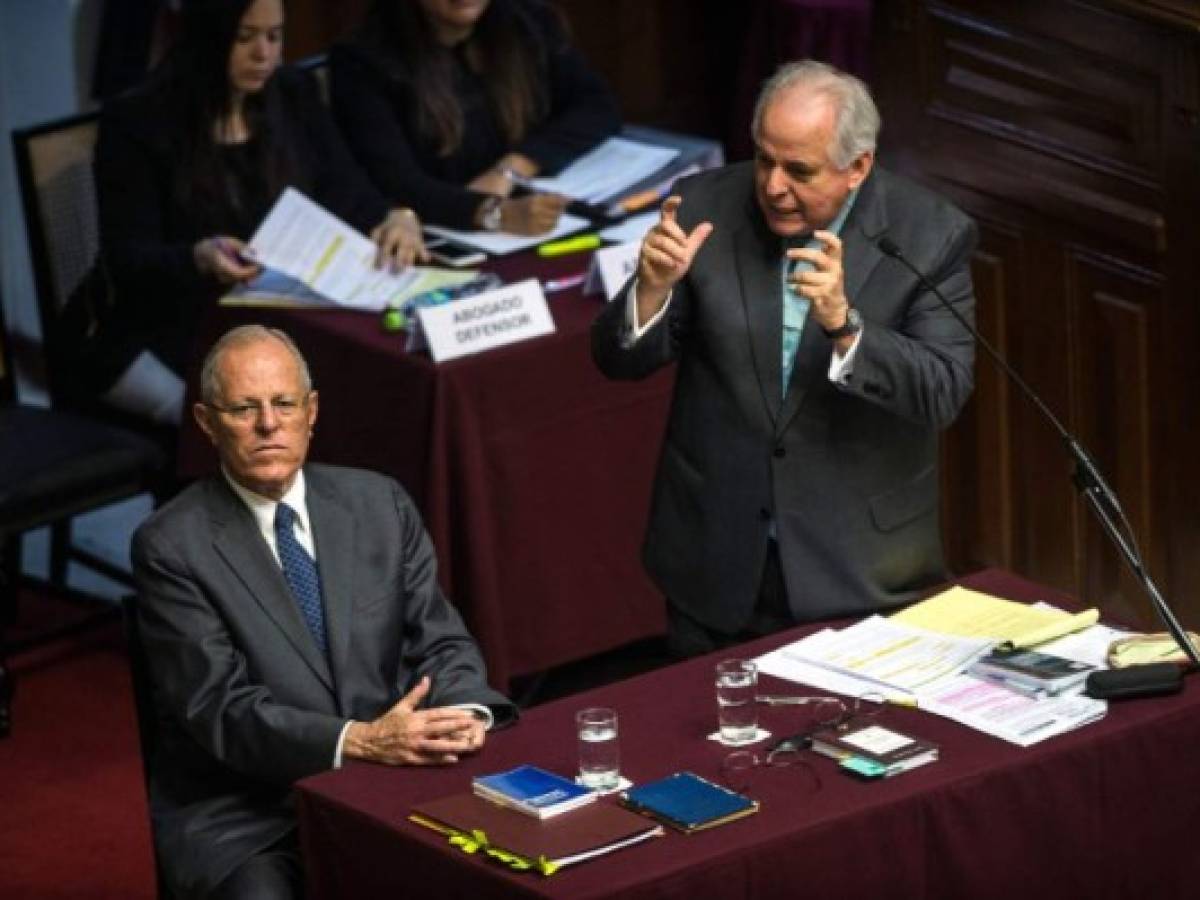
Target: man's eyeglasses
point(826, 713)
point(284, 408)
point(739, 767)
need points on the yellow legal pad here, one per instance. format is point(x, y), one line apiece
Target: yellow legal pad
point(966, 613)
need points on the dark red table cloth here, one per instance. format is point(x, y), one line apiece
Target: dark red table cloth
point(533, 472)
point(1110, 810)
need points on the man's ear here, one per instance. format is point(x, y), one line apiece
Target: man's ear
point(861, 168)
point(201, 414)
point(312, 409)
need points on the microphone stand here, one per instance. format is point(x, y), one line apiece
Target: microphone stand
point(1101, 498)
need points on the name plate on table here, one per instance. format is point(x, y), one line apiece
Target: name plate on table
point(506, 315)
point(611, 268)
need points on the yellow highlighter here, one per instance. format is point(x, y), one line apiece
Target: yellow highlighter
point(576, 244)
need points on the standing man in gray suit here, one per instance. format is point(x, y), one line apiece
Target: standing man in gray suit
point(291, 618)
point(798, 478)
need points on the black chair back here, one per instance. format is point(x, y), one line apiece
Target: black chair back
point(144, 706)
point(58, 198)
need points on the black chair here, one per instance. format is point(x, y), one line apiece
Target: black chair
point(144, 706)
point(55, 465)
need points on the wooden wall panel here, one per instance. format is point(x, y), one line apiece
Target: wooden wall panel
point(1071, 131)
point(979, 526)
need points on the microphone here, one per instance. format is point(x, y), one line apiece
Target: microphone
point(1101, 498)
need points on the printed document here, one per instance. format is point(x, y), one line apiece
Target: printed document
point(911, 665)
point(306, 242)
point(607, 170)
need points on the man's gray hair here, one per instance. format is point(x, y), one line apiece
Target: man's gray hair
point(210, 382)
point(856, 125)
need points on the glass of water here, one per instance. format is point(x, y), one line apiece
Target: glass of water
point(737, 710)
point(599, 754)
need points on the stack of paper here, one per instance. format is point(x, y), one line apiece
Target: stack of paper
point(925, 663)
point(972, 614)
point(607, 170)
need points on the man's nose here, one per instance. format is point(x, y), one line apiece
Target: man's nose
point(267, 420)
point(776, 181)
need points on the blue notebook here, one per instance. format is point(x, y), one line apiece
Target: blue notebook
point(532, 791)
point(688, 802)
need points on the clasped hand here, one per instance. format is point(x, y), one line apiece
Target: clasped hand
point(406, 735)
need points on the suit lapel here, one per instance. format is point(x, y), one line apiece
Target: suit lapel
point(758, 260)
point(334, 536)
point(238, 541)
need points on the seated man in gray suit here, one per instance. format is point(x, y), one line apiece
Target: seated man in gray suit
point(798, 479)
point(291, 617)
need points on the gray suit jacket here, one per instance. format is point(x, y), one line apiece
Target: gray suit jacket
point(247, 703)
point(848, 475)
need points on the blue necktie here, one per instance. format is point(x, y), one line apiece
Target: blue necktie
point(300, 570)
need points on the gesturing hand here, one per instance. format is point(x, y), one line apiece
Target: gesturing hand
point(406, 735)
point(824, 284)
point(666, 255)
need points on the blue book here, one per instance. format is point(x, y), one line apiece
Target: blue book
point(532, 791)
point(688, 802)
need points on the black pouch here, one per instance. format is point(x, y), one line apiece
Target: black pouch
point(1150, 680)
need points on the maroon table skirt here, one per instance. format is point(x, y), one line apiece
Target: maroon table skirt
point(1110, 810)
point(533, 472)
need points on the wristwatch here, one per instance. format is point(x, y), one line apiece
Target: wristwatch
point(489, 214)
point(852, 325)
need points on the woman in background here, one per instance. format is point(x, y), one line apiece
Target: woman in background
point(187, 167)
point(450, 103)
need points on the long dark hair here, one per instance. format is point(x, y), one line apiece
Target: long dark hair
point(503, 46)
point(194, 85)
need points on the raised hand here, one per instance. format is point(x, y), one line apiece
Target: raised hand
point(666, 255)
point(824, 284)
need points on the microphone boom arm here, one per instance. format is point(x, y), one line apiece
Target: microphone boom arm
point(1101, 498)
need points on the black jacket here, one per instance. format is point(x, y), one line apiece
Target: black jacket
point(372, 94)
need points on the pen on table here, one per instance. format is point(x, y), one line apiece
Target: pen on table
point(577, 244)
point(567, 282)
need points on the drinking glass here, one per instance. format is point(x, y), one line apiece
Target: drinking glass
point(737, 712)
point(599, 753)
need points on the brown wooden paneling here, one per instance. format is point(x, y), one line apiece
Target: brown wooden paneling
point(977, 455)
point(1071, 131)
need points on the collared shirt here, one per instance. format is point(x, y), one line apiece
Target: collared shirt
point(263, 510)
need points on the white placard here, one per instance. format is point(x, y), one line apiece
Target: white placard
point(611, 268)
point(506, 315)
